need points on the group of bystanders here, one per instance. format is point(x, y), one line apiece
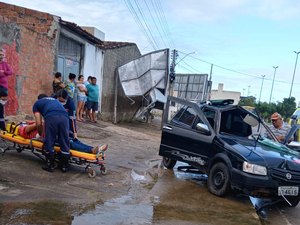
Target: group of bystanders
point(55, 115)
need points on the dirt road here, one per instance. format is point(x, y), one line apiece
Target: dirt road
point(136, 189)
point(26, 190)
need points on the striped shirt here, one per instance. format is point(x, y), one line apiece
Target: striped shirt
point(282, 131)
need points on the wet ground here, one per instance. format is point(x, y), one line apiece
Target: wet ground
point(176, 198)
point(136, 189)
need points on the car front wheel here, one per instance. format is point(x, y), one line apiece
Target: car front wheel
point(168, 163)
point(218, 179)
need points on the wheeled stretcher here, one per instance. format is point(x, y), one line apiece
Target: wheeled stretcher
point(36, 147)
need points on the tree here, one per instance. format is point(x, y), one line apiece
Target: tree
point(247, 101)
point(285, 108)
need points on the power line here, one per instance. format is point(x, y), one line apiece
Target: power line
point(185, 68)
point(161, 37)
point(235, 71)
point(163, 22)
point(142, 13)
point(146, 25)
point(195, 70)
point(160, 10)
point(138, 22)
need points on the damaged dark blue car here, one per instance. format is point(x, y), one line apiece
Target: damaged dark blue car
point(233, 146)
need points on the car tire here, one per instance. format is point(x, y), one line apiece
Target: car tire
point(169, 163)
point(218, 179)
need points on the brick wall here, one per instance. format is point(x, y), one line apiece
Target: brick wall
point(29, 41)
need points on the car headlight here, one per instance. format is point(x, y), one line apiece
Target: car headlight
point(254, 169)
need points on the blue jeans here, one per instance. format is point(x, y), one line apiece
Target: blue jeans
point(79, 146)
point(57, 126)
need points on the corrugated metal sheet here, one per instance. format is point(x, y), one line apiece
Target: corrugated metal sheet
point(144, 73)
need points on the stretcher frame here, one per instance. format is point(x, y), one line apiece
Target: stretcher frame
point(35, 146)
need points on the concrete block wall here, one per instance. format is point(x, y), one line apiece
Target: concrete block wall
point(29, 41)
point(113, 58)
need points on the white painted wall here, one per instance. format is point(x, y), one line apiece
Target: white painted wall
point(93, 66)
point(221, 94)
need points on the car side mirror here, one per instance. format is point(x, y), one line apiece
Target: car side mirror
point(203, 128)
point(294, 117)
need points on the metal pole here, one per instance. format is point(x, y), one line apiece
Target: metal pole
point(262, 83)
point(294, 73)
point(211, 69)
point(275, 68)
point(248, 90)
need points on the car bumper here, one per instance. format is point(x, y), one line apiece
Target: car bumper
point(256, 185)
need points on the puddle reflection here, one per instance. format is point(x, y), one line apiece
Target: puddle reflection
point(121, 210)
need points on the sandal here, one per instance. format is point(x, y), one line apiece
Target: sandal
point(101, 149)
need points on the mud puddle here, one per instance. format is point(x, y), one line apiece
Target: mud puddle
point(176, 198)
point(132, 208)
point(43, 212)
point(123, 210)
point(184, 199)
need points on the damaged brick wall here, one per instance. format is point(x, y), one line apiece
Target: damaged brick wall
point(29, 38)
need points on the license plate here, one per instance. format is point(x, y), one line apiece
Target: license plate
point(288, 190)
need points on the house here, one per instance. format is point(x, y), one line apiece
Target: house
point(38, 44)
point(220, 93)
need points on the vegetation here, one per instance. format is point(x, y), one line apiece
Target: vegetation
point(285, 108)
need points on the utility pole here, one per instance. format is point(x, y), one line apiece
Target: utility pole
point(211, 69)
point(262, 84)
point(275, 68)
point(248, 90)
point(294, 73)
point(174, 55)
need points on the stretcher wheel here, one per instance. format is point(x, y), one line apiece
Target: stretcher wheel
point(103, 170)
point(92, 173)
point(19, 149)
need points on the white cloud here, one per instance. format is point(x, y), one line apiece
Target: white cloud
point(279, 9)
point(200, 11)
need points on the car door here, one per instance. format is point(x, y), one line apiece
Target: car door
point(292, 139)
point(181, 140)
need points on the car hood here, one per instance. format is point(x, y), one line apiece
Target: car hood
point(265, 152)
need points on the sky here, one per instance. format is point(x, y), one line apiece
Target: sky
point(244, 40)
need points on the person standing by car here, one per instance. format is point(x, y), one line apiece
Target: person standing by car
point(278, 127)
point(92, 99)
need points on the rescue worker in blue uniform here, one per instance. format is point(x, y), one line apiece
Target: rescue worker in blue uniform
point(56, 125)
point(69, 105)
